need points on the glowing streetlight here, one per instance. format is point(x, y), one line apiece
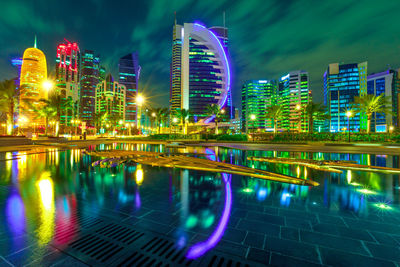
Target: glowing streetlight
point(153, 114)
point(139, 99)
point(391, 128)
point(222, 111)
point(252, 117)
point(298, 107)
point(349, 114)
point(174, 120)
point(48, 85)
point(139, 103)
point(121, 121)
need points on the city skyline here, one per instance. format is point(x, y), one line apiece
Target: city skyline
point(321, 36)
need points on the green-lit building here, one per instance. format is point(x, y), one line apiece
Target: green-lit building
point(293, 95)
point(256, 96)
point(110, 98)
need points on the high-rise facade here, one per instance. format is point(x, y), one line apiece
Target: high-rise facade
point(257, 95)
point(129, 72)
point(384, 83)
point(202, 76)
point(294, 94)
point(33, 74)
point(90, 65)
point(68, 79)
point(17, 62)
point(110, 98)
point(342, 82)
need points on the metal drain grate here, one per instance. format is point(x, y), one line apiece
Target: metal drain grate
point(157, 251)
point(224, 260)
point(95, 248)
point(120, 233)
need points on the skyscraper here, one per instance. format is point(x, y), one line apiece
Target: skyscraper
point(202, 76)
point(110, 98)
point(90, 65)
point(257, 95)
point(17, 62)
point(129, 72)
point(293, 95)
point(384, 83)
point(68, 78)
point(33, 74)
point(342, 82)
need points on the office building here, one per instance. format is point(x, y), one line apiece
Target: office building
point(90, 65)
point(33, 74)
point(129, 72)
point(342, 82)
point(257, 95)
point(110, 98)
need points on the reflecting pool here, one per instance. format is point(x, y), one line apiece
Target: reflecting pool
point(53, 202)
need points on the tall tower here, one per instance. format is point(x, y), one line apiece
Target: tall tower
point(203, 72)
point(67, 78)
point(342, 82)
point(33, 74)
point(129, 72)
point(90, 66)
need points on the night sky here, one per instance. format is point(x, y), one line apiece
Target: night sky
point(267, 38)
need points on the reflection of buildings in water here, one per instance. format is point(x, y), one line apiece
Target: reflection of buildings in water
point(45, 189)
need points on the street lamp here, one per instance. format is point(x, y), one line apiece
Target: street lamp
point(253, 118)
point(139, 103)
point(298, 107)
point(348, 115)
point(48, 85)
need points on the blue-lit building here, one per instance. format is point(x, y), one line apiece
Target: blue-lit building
point(384, 83)
point(129, 72)
point(202, 75)
point(342, 82)
point(90, 72)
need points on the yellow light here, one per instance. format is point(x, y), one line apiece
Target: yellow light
point(48, 85)
point(383, 206)
point(153, 114)
point(121, 121)
point(349, 114)
point(222, 111)
point(174, 120)
point(45, 186)
point(139, 99)
point(298, 107)
point(252, 117)
point(139, 174)
point(366, 191)
point(391, 128)
point(47, 212)
point(126, 124)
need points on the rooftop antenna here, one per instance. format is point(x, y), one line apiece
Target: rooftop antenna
point(175, 17)
point(35, 43)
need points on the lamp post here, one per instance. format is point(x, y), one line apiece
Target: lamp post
point(253, 118)
point(139, 103)
point(348, 115)
point(298, 107)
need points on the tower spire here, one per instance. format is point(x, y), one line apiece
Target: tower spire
point(175, 17)
point(35, 43)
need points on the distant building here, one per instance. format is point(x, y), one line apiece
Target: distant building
point(129, 72)
point(33, 74)
point(342, 82)
point(90, 65)
point(68, 79)
point(110, 98)
point(17, 62)
point(257, 95)
point(200, 71)
point(384, 83)
point(293, 95)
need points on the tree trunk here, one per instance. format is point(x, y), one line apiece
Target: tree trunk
point(10, 119)
point(47, 125)
point(216, 126)
point(274, 126)
point(311, 125)
point(368, 124)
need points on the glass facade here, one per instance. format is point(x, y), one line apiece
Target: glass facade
point(89, 80)
point(176, 69)
point(342, 82)
point(257, 95)
point(129, 71)
point(110, 98)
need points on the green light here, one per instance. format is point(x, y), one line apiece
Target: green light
point(383, 206)
point(191, 221)
point(247, 190)
point(366, 191)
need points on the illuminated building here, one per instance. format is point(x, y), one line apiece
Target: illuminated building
point(67, 78)
point(202, 75)
point(256, 96)
point(129, 72)
point(385, 83)
point(342, 82)
point(293, 95)
point(89, 80)
point(33, 74)
point(110, 98)
point(17, 62)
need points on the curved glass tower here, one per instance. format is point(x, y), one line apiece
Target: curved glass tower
point(204, 69)
point(33, 74)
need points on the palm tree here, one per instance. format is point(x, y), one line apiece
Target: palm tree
point(275, 113)
point(369, 104)
point(161, 116)
point(215, 111)
point(114, 119)
point(314, 111)
point(183, 115)
point(98, 119)
point(7, 102)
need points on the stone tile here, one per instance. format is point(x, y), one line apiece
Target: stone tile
point(30, 254)
point(273, 219)
point(254, 240)
point(260, 227)
point(234, 235)
point(386, 239)
point(298, 223)
point(384, 251)
point(232, 248)
point(159, 216)
point(259, 255)
point(4, 262)
point(373, 226)
point(343, 231)
point(290, 233)
point(298, 214)
point(292, 248)
point(324, 218)
point(341, 243)
point(335, 257)
point(271, 210)
point(283, 260)
point(153, 226)
point(12, 245)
